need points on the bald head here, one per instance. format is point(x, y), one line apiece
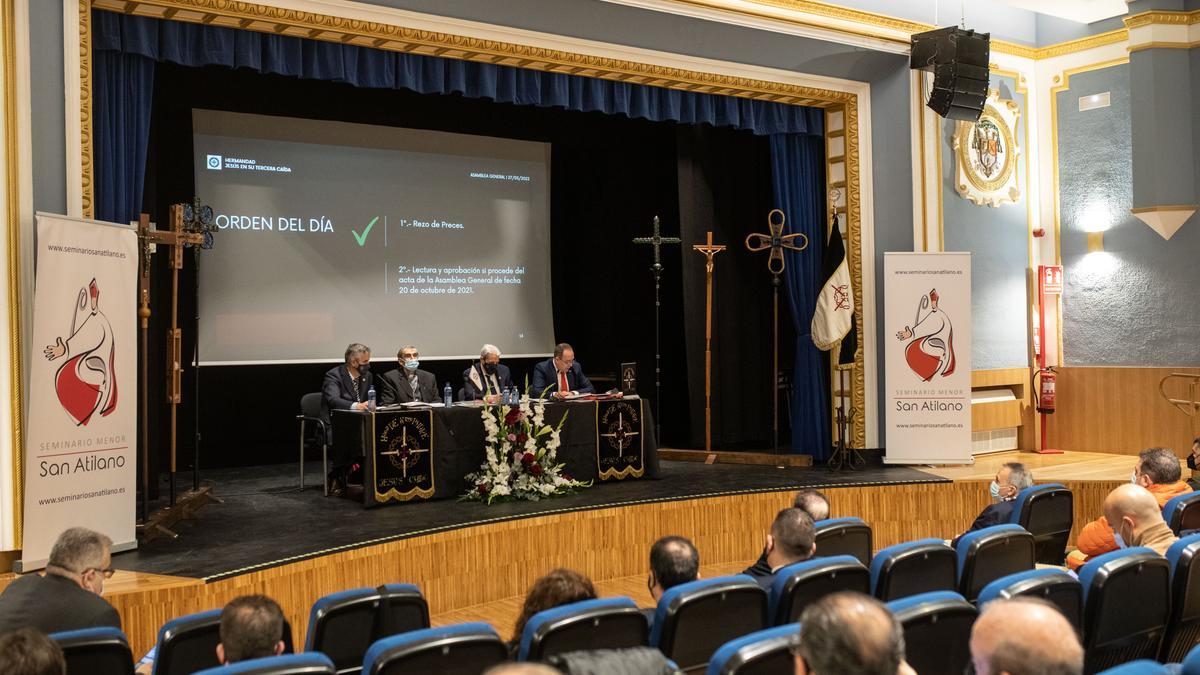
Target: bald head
point(1130, 509)
point(849, 633)
point(1024, 636)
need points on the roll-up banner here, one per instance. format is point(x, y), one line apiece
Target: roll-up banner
point(927, 348)
point(81, 434)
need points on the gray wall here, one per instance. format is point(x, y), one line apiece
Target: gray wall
point(998, 240)
point(1134, 304)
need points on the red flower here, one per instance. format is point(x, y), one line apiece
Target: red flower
point(512, 416)
point(566, 476)
point(535, 469)
point(528, 459)
point(483, 488)
point(521, 437)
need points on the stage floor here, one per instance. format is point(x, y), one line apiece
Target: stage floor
point(266, 521)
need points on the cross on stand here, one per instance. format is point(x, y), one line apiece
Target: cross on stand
point(709, 249)
point(657, 240)
point(776, 242)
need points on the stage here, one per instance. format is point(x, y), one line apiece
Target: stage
point(475, 562)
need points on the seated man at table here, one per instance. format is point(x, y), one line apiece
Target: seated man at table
point(487, 377)
point(345, 388)
point(560, 376)
point(408, 383)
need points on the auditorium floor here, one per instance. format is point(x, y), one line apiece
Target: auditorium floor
point(265, 521)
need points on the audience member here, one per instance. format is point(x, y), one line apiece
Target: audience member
point(1024, 636)
point(251, 628)
point(792, 540)
point(673, 561)
point(1011, 478)
point(1137, 519)
point(1156, 470)
point(27, 651)
point(68, 596)
point(849, 632)
point(1193, 456)
point(814, 503)
point(559, 587)
point(522, 668)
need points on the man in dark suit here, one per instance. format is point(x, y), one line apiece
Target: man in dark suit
point(345, 388)
point(1011, 478)
point(793, 539)
point(68, 596)
point(486, 378)
point(560, 376)
point(814, 503)
point(407, 383)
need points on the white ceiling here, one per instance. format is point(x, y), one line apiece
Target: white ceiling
point(1083, 11)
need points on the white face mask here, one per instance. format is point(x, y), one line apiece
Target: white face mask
point(994, 491)
point(1119, 539)
point(1133, 477)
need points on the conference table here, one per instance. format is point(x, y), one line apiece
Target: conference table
point(420, 453)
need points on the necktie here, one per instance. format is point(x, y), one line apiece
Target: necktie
point(562, 382)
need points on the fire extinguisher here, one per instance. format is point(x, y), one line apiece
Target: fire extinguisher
point(1045, 399)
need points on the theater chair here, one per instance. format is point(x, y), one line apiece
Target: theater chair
point(1183, 626)
point(310, 413)
point(937, 631)
point(461, 649)
point(1052, 585)
point(95, 651)
point(605, 623)
point(626, 660)
point(798, 585)
point(1191, 664)
point(1046, 512)
point(695, 618)
point(766, 652)
point(308, 663)
point(1126, 603)
point(1139, 667)
point(844, 536)
point(1182, 513)
point(188, 643)
point(988, 554)
point(914, 567)
point(343, 625)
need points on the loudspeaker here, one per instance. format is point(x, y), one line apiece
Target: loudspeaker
point(958, 59)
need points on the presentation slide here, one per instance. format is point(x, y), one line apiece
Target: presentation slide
point(330, 233)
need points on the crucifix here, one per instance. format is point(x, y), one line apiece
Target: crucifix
point(776, 242)
point(657, 240)
point(709, 249)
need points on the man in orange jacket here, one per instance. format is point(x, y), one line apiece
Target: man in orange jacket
point(1158, 471)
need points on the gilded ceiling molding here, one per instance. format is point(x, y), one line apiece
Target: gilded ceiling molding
point(1162, 18)
point(85, 104)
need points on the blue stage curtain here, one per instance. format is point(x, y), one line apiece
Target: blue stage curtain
point(799, 185)
point(123, 90)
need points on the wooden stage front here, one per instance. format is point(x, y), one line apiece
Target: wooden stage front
point(481, 571)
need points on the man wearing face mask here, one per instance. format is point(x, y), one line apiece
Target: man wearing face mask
point(1192, 458)
point(486, 378)
point(345, 388)
point(1137, 519)
point(1157, 471)
point(408, 383)
point(68, 596)
point(1010, 480)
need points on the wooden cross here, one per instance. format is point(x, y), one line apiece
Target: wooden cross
point(776, 242)
point(657, 240)
point(709, 249)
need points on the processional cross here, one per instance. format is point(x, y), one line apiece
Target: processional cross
point(657, 240)
point(709, 249)
point(776, 242)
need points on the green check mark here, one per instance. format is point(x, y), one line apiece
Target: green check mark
point(362, 238)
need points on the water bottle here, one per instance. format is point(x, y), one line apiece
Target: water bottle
point(448, 396)
point(504, 396)
point(371, 398)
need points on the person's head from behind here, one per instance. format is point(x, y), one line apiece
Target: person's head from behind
point(522, 668)
point(1024, 636)
point(848, 632)
point(792, 539)
point(251, 628)
point(27, 651)
point(673, 561)
point(1156, 466)
point(1130, 511)
point(1011, 478)
point(812, 502)
point(84, 556)
point(559, 587)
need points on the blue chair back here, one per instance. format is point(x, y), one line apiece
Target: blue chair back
point(1126, 604)
point(604, 623)
point(912, 568)
point(937, 630)
point(307, 663)
point(461, 649)
point(95, 651)
point(343, 625)
point(765, 652)
point(188, 643)
point(990, 553)
point(845, 536)
point(1046, 512)
point(1139, 667)
point(695, 618)
point(1052, 585)
point(1183, 512)
point(1191, 663)
point(798, 585)
point(1183, 626)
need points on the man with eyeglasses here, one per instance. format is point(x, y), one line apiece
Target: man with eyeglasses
point(68, 596)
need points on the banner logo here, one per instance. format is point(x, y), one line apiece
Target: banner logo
point(620, 444)
point(930, 350)
point(86, 383)
point(406, 444)
point(213, 162)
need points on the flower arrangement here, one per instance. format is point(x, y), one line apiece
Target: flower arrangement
point(520, 456)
